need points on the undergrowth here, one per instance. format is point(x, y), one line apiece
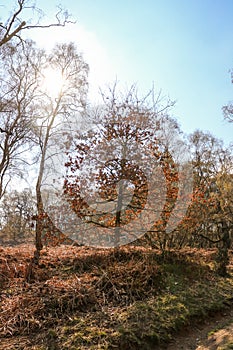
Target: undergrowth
point(130, 298)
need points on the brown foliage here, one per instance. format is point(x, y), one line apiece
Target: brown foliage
point(70, 279)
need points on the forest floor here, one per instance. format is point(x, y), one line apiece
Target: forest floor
point(130, 298)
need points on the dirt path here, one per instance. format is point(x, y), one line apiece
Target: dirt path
point(214, 334)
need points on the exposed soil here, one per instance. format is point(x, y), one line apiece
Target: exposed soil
point(214, 333)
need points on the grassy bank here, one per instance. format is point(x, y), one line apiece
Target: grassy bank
point(81, 298)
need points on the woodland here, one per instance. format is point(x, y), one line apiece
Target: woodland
point(122, 238)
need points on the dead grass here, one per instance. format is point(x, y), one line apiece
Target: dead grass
point(82, 298)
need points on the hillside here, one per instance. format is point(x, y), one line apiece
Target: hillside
point(83, 298)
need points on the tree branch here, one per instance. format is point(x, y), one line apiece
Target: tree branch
point(62, 18)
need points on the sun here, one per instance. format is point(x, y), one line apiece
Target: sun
point(52, 82)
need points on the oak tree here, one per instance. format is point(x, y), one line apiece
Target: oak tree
point(209, 216)
point(121, 176)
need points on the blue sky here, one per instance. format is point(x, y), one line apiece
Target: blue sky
point(184, 47)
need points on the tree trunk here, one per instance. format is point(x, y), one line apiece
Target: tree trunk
point(222, 257)
point(118, 216)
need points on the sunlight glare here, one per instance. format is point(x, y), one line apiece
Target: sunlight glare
point(53, 82)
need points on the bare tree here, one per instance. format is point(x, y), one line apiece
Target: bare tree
point(17, 209)
point(56, 111)
point(18, 93)
point(13, 27)
point(228, 109)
